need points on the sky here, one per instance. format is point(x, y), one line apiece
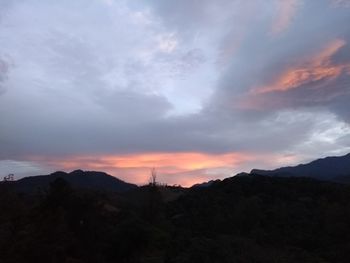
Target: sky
point(199, 90)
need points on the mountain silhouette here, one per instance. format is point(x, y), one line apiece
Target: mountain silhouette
point(91, 180)
point(244, 218)
point(329, 168)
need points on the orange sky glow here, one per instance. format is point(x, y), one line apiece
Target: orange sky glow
point(184, 168)
point(318, 67)
point(136, 167)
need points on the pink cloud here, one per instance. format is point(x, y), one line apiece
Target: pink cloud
point(318, 67)
point(286, 11)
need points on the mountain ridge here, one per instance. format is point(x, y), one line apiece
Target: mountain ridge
point(333, 168)
point(92, 180)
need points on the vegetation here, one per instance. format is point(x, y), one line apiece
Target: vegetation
point(241, 219)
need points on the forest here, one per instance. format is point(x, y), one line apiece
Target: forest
point(248, 218)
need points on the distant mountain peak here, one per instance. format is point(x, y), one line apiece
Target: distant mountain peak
point(328, 168)
point(93, 180)
point(58, 173)
point(78, 171)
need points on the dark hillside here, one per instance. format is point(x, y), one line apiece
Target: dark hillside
point(92, 180)
point(240, 219)
point(329, 168)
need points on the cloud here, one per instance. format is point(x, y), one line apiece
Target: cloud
point(286, 11)
point(341, 3)
point(3, 75)
point(21, 168)
point(321, 80)
point(192, 85)
point(184, 168)
point(317, 68)
point(137, 166)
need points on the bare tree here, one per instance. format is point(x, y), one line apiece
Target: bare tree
point(153, 177)
point(154, 197)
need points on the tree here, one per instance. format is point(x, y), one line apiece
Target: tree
point(10, 177)
point(154, 195)
point(153, 177)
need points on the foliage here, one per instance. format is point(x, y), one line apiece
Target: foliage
point(241, 219)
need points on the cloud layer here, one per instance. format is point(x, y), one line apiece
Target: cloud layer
point(200, 89)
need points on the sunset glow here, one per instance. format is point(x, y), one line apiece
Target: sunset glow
point(174, 131)
point(137, 166)
point(200, 90)
point(317, 68)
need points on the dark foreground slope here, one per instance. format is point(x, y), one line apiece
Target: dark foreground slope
point(92, 180)
point(329, 168)
point(265, 219)
point(241, 219)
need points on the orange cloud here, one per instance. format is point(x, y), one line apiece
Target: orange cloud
point(316, 68)
point(185, 168)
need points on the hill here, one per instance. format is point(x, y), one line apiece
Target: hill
point(260, 218)
point(329, 168)
point(245, 218)
point(92, 180)
point(241, 219)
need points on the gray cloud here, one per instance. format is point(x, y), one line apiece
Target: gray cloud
point(166, 76)
point(260, 65)
point(4, 71)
